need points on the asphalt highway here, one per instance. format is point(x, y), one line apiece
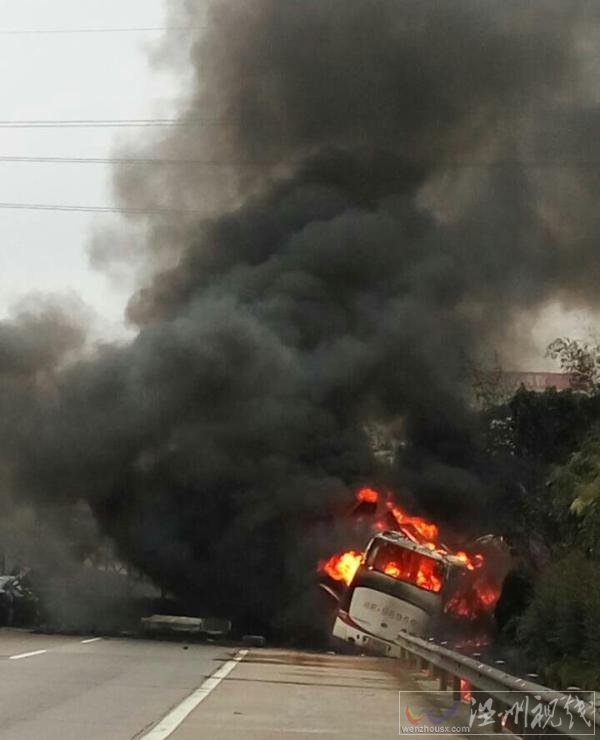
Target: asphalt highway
point(78, 688)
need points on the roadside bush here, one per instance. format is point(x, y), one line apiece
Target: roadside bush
point(560, 630)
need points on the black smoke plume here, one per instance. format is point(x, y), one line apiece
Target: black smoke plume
point(381, 190)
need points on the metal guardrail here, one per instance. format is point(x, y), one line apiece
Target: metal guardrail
point(451, 668)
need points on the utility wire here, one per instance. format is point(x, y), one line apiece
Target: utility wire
point(95, 209)
point(532, 164)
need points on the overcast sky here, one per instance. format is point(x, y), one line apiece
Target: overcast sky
point(69, 76)
point(88, 76)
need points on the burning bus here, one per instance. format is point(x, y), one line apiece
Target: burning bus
point(408, 581)
point(400, 587)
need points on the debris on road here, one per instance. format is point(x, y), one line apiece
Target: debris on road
point(18, 604)
point(257, 641)
point(163, 624)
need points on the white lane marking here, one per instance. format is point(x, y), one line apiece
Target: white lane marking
point(170, 722)
point(27, 655)
point(92, 639)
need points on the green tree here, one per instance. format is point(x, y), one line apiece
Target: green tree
point(580, 360)
point(526, 438)
point(560, 629)
point(576, 488)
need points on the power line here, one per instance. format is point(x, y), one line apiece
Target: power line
point(95, 209)
point(532, 164)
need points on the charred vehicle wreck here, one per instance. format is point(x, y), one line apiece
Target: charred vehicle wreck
point(400, 587)
point(408, 581)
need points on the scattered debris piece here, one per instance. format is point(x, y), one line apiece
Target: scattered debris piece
point(257, 641)
point(163, 624)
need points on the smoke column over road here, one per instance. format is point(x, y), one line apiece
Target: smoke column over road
point(371, 216)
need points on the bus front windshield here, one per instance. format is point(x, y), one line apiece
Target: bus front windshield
point(407, 565)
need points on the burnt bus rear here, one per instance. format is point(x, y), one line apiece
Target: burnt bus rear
point(401, 587)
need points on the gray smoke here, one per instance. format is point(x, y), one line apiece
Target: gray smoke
point(380, 197)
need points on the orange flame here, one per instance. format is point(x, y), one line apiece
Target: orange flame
point(426, 530)
point(471, 561)
point(391, 569)
point(478, 599)
point(343, 566)
point(476, 596)
point(427, 575)
point(367, 495)
point(465, 690)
